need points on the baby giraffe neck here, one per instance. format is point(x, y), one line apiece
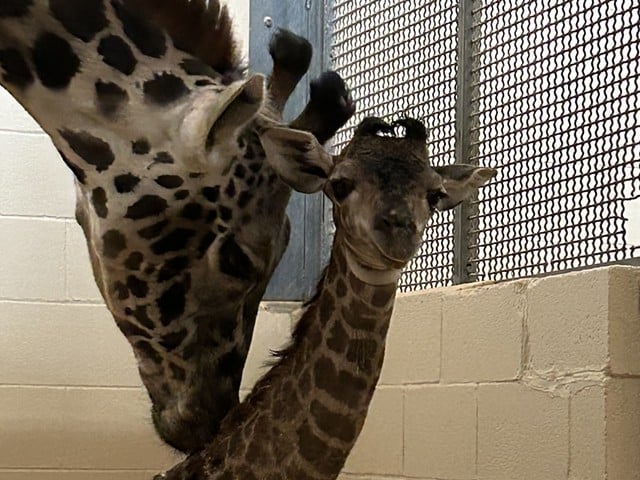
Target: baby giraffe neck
point(306, 413)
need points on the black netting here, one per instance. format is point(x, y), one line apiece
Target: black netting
point(555, 99)
point(400, 59)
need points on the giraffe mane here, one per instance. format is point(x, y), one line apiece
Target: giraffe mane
point(303, 324)
point(202, 28)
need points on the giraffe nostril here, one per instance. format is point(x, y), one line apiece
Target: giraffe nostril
point(396, 220)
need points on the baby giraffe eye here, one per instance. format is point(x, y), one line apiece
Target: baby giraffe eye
point(434, 196)
point(341, 188)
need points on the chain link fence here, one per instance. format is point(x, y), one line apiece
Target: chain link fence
point(548, 91)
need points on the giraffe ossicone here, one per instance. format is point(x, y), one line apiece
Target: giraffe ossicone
point(303, 416)
point(151, 109)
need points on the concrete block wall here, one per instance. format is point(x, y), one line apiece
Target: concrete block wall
point(529, 380)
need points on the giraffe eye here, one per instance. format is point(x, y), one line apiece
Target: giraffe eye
point(434, 196)
point(341, 188)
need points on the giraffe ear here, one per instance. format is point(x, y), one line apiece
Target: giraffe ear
point(214, 116)
point(298, 158)
point(460, 182)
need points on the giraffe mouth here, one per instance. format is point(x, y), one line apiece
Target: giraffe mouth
point(381, 260)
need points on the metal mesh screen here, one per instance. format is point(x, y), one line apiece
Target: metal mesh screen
point(555, 89)
point(554, 104)
point(399, 57)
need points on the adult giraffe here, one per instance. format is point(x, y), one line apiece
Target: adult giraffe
point(184, 217)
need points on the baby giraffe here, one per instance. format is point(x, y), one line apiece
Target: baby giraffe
point(303, 417)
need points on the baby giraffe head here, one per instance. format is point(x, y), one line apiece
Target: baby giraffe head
point(381, 185)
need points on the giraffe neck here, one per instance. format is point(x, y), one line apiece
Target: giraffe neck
point(303, 417)
point(336, 359)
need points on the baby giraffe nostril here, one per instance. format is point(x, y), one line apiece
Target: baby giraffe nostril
point(394, 219)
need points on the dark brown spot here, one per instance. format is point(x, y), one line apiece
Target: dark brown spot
point(120, 290)
point(211, 193)
point(205, 243)
point(133, 261)
point(172, 268)
point(164, 88)
point(117, 53)
point(81, 18)
point(99, 202)
point(225, 213)
point(147, 351)
point(244, 199)
point(178, 373)
point(114, 243)
point(141, 147)
point(233, 260)
point(16, 69)
point(110, 97)
point(91, 149)
point(338, 339)
point(181, 194)
point(173, 340)
point(342, 386)
point(131, 330)
point(327, 460)
point(14, 8)
point(172, 303)
point(169, 181)
point(230, 191)
point(240, 171)
point(139, 288)
point(362, 352)
point(192, 211)
point(148, 38)
point(154, 230)
point(146, 206)
point(55, 61)
point(333, 424)
point(126, 183)
point(176, 240)
point(163, 157)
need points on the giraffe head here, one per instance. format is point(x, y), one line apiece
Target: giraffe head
point(382, 187)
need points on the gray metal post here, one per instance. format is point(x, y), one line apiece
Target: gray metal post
point(463, 270)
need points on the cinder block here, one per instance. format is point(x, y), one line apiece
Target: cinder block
point(568, 321)
point(587, 435)
point(623, 429)
point(378, 450)
point(32, 264)
point(522, 433)
point(81, 284)
point(34, 180)
point(624, 320)
point(482, 333)
point(76, 428)
point(413, 343)
point(77, 475)
point(440, 432)
point(63, 344)
point(14, 117)
point(272, 332)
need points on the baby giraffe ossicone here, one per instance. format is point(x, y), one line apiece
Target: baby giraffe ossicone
point(303, 417)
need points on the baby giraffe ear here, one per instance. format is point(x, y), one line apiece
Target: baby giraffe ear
point(460, 182)
point(298, 158)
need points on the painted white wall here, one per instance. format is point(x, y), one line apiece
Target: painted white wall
point(240, 9)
